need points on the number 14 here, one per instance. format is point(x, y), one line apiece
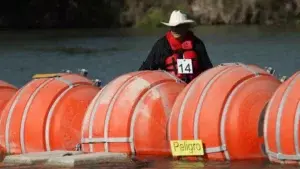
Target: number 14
point(184, 66)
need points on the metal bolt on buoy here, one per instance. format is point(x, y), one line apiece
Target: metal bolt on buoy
point(97, 82)
point(78, 147)
point(270, 70)
point(83, 72)
point(66, 71)
point(283, 78)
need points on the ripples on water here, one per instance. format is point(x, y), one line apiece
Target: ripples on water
point(111, 53)
point(167, 164)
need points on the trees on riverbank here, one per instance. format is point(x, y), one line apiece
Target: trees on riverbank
point(146, 13)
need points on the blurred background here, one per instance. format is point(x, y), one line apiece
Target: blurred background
point(113, 37)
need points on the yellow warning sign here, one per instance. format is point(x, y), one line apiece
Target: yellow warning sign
point(187, 147)
point(49, 75)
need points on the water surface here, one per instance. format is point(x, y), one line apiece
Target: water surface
point(110, 53)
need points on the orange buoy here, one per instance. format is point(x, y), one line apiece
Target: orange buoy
point(129, 114)
point(223, 107)
point(6, 93)
point(2, 153)
point(281, 127)
point(46, 114)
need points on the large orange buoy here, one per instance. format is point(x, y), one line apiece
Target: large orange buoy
point(223, 107)
point(6, 93)
point(46, 114)
point(281, 127)
point(129, 114)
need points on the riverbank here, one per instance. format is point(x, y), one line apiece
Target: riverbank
point(145, 13)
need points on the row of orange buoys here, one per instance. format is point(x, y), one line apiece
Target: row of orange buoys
point(238, 111)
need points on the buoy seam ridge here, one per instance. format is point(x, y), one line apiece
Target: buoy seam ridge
point(280, 110)
point(229, 64)
point(266, 122)
point(8, 87)
point(91, 119)
point(53, 106)
point(136, 109)
point(167, 108)
point(94, 110)
point(182, 107)
point(4, 84)
point(296, 128)
point(225, 112)
point(200, 103)
point(256, 73)
point(25, 112)
point(92, 116)
point(177, 80)
point(201, 100)
point(172, 112)
point(251, 70)
point(120, 139)
point(112, 103)
point(14, 96)
point(202, 97)
point(93, 113)
point(62, 78)
point(10, 113)
point(68, 82)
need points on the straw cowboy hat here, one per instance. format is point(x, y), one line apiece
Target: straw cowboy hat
point(178, 18)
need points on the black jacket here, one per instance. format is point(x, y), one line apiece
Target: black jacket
point(161, 50)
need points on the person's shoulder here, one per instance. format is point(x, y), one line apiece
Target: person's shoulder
point(197, 40)
point(159, 44)
point(161, 41)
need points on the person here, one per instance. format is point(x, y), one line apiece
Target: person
point(179, 51)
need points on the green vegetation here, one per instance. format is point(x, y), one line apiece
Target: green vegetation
point(151, 19)
point(143, 13)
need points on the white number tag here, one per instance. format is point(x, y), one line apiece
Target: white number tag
point(184, 66)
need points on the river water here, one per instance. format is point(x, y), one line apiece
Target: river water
point(110, 53)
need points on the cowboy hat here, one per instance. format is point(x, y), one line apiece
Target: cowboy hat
point(178, 18)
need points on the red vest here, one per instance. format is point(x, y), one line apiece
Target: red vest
point(185, 47)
